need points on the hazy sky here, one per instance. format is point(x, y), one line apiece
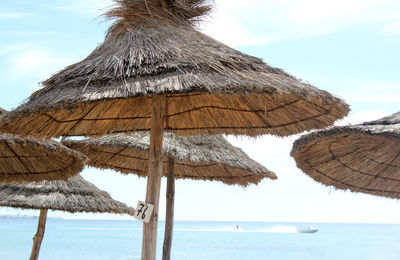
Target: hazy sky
point(347, 47)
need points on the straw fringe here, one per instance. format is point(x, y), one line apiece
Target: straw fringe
point(27, 159)
point(197, 157)
point(362, 158)
point(74, 195)
point(247, 114)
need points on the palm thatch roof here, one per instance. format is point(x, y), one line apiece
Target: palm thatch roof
point(153, 49)
point(28, 159)
point(74, 195)
point(197, 157)
point(361, 158)
point(25, 159)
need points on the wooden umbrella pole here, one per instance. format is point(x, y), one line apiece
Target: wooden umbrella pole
point(149, 241)
point(37, 239)
point(169, 217)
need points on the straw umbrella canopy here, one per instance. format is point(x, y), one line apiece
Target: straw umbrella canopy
point(24, 159)
point(74, 195)
point(153, 49)
point(155, 72)
point(362, 158)
point(197, 157)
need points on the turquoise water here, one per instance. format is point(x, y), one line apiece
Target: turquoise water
point(121, 240)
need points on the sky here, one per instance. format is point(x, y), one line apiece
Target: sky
point(347, 47)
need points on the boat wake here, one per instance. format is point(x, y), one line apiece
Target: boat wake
point(281, 229)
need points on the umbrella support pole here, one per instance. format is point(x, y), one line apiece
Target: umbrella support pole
point(169, 217)
point(149, 241)
point(37, 239)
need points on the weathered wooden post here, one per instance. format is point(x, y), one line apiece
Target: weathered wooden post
point(169, 217)
point(149, 241)
point(37, 239)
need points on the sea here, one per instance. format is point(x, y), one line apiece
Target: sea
point(121, 240)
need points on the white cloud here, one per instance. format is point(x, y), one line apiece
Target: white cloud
point(361, 116)
point(372, 91)
point(13, 15)
point(37, 62)
point(227, 28)
point(265, 149)
point(10, 48)
point(392, 28)
point(286, 19)
point(234, 34)
point(231, 20)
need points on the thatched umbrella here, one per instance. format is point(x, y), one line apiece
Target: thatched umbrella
point(197, 157)
point(155, 72)
point(74, 195)
point(27, 159)
point(205, 87)
point(24, 159)
point(361, 158)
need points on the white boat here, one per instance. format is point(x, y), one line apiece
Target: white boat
point(307, 230)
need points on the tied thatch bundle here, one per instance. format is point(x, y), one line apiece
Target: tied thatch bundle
point(132, 13)
point(197, 157)
point(74, 195)
point(27, 159)
point(361, 158)
point(210, 87)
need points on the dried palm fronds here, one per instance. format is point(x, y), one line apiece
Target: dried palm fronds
point(74, 195)
point(361, 158)
point(26, 159)
point(197, 157)
point(129, 13)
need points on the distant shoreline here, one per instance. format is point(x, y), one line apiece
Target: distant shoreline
point(240, 222)
point(23, 217)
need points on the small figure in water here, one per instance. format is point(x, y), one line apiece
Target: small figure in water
point(237, 227)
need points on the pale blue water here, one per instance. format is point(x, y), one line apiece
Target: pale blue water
point(121, 240)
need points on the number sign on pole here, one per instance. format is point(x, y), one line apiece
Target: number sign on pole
point(143, 211)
